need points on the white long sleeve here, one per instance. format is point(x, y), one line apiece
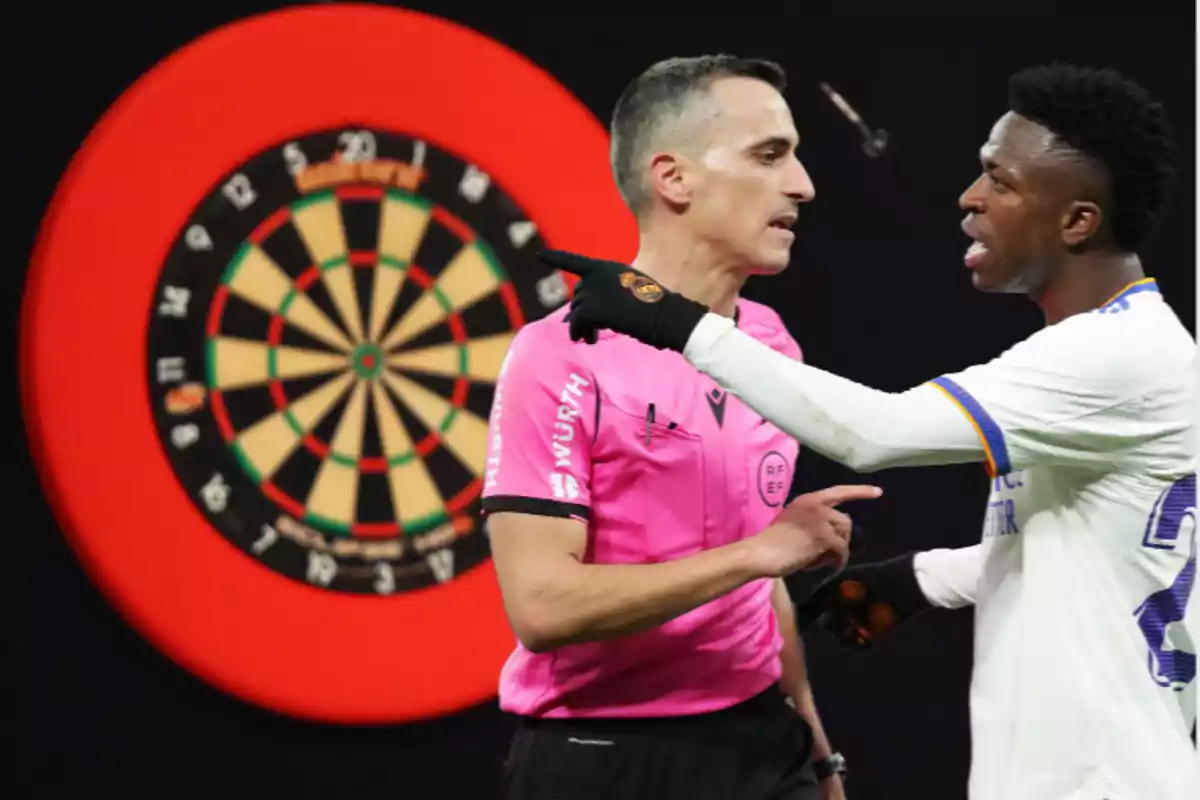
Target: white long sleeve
point(862, 428)
point(950, 577)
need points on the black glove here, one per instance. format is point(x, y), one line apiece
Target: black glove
point(804, 585)
point(863, 604)
point(618, 297)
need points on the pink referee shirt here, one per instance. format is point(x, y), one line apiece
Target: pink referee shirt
point(661, 463)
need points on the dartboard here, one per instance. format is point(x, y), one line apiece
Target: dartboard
point(324, 342)
point(260, 336)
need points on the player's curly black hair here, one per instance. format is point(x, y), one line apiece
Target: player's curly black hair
point(1106, 116)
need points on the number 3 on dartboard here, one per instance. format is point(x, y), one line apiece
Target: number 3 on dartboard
point(385, 581)
point(1172, 657)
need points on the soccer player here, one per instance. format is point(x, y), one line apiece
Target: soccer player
point(1084, 681)
point(637, 513)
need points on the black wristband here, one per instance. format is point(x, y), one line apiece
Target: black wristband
point(834, 763)
point(677, 317)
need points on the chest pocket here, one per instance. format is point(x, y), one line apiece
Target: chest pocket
point(770, 470)
point(652, 477)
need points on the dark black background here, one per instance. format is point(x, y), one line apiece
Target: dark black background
point(876, 292)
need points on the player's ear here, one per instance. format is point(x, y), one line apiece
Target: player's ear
point(1080, 222)
point(668, 178)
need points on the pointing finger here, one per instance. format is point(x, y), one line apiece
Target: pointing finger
point(567, 262)
point(834, 495)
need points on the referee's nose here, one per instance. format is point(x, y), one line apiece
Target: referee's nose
point(798, 184)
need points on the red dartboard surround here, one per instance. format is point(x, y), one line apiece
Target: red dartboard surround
point(259, 329)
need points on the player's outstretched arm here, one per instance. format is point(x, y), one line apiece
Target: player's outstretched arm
point(862, 428)
point(857, 426)
point(1064, 396)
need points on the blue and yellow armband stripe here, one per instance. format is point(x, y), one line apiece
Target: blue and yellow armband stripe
point(988, 431)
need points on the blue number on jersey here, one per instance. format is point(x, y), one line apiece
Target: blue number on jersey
point(1174, 514)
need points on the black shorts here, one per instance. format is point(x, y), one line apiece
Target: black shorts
point(756, 750)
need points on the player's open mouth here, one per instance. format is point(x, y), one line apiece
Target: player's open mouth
point(978, 250)
point(975, 253)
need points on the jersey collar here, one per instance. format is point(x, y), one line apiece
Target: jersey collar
point(1121, 298)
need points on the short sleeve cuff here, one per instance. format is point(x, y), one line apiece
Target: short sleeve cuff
point(536, 506)
point(990, 434)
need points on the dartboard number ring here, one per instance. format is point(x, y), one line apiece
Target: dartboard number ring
point(323, 347)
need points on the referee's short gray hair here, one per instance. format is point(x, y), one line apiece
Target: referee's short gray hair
point(652, 107)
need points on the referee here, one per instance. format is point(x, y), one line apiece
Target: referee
point(637, 512)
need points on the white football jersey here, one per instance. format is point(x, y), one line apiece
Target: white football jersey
point(1084, 684)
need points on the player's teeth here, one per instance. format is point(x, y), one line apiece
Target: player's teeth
point(976, 249)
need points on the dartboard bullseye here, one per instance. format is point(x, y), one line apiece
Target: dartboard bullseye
point(324, 343)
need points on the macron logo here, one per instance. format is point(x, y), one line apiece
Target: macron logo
point(716, 401)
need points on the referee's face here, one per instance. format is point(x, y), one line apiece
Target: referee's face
point(748, 184)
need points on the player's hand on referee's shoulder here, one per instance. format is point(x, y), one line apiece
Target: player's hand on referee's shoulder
point(617, 297)
point(810, 532)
